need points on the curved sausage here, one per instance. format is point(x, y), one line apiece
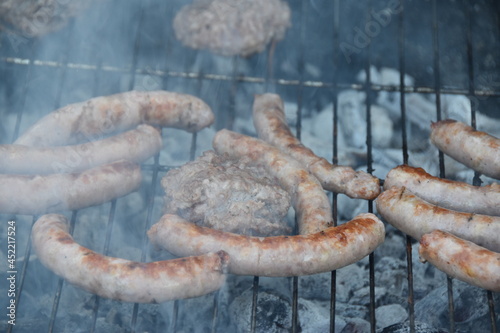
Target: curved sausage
point(103, 115)
point(135, 145)
point(270, 123)
point(308, 198)
point(327, 250)
point(31, 195)
point(475, 149)
point(121, 279)
point(446, 193)
point(415, 217)
point(461, 259)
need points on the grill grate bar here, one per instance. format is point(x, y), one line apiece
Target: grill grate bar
point(25, 89)
point(105, 251)
point(298, 127)
point(491, 305)
point(437, 82)
point(148, 223)
point(404, 148)
point(253, 79)
point(335, 64)
point(60, 282)
point(255, 298)
point(473, 98)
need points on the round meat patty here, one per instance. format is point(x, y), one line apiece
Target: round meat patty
point(232, 27)
point(34, 18)
point(225, 194)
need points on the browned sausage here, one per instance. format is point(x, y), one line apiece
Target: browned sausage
point(23, 194)
point(96, 117)
point(121, 279)
point(270, 123)
point(415, 217)
point(475, 149)
point(135, 145)
point(446, 193)
point(308, 198)
point(461, 259)
point(323, 251)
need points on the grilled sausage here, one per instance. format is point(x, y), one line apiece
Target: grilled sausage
point(327, 250)
point(135, 145)
point(446, 193)
point(475, 149)
point(121, 279)
point(270, 123)
point(23, 194)
point(461, 259)
point(415, 217)
point(308, 198)
point(103, 115)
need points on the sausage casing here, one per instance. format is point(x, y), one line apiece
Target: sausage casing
point(446, 193)
point(323, 251)
point(311, 204)
point(135, 145)
point(86, 121)
point(121, 279)
point(415, 217)
point(475, 149)
point(270, 123)
point(461, 259)
point(23, 194)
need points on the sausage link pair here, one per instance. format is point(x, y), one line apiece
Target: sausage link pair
point(324, 251)
point(461, 259)
point(446, 193)
point(415, 217)
point(31, 195)
point(475, 149)
point(308, 198)
point(270, 123)
point(121, 279)
point(135, 145)
point(103, 115)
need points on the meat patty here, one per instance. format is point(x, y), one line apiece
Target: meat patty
point(218, 192)
point(34, 18)
point(232, 27)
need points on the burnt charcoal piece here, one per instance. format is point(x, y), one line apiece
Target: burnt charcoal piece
point(229, 195)
point(273, 313)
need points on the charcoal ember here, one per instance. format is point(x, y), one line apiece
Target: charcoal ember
point(232, 27)
point(218, 192)
point(315, 316)
point(349, 279)
point(470, 303)
point(362, 296)
point(420, 327)
point(34, 18)
point(352, 311)
point(390, 314)
point(353, 122)
point(273, 313)
point(356, 325)
point(391, 271)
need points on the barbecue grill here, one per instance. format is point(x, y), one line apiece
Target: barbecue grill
point(447, 47)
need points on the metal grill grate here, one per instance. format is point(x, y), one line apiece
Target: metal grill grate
point(152, 58)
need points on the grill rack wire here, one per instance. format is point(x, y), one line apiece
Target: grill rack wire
point(269, 82)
